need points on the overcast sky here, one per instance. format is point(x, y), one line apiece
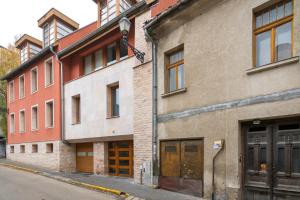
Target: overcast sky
point(20, 16)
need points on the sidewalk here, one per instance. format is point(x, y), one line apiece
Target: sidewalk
point(109, 183)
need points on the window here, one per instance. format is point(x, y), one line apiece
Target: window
point(22, 148)
point(49, 121)
point(12, 123)
point(108, 10)
point(46, 35)
point(11, 91)
point(12, 149)
point(88, 64)
point(99, 59)
point(33, 50)
point(63, 30)
point(35, 148)
point(113, 100)
point(93, 61)
point(49, 72)
point(22, 121)
point(21, 86)
point(76, 109)
point(24, 54)
point(111, 53)
point(273, 33)
point(49, 148)
point(34, 118)
point(123, 50)
point(175, 71)
point(34, 80)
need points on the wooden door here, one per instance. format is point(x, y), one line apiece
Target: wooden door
point(85, 157)
point(182, 166)
point(120, 158)
point(170, 158)
point(272, 161)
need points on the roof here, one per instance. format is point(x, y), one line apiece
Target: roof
point(28, 38)
point(53, 13)
point(131, 11)
point(26, 64)
point(181, 4)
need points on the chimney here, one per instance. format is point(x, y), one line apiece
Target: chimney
point(56, 25)
point(28, 46)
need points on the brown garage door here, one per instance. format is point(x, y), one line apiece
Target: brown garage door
point(182, 166)
point(84, 157)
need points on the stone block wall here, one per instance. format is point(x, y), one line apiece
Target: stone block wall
point(100, 158)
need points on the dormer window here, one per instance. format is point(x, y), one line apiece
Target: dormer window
point(56, 25)
point(112, 8)
point(46, 35)
point(24, 54)
point(28, 46)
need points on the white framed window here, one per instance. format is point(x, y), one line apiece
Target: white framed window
point(11, 88)
point(21, 86)
point(24, 54)
point(12, 123)
point(34, 118)
point(49, 72)
point(46, 35)
point(34, 79)
point(49, 114)
point(22, 121)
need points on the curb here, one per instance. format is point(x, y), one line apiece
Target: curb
point(70, 181)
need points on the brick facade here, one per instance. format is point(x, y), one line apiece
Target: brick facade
point(142, 120)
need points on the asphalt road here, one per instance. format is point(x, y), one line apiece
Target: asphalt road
point(19, 185)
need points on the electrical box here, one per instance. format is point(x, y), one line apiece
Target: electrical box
point(218, 144)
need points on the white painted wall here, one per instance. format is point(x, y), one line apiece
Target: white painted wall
point(93, 96)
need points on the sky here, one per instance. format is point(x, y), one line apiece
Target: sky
point(18, 17)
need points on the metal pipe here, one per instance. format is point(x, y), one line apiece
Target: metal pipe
point(213, 172)
point(62, 106)
point(154, 106)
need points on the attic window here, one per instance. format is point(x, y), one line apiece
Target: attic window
point(112, 8)
point(24, 54)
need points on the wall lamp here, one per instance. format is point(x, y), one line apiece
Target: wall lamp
point(124, 25)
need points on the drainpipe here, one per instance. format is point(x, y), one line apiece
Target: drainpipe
point(62, 105)
point(154, 106)
point(213, 195)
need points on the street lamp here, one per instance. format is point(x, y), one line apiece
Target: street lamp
point(124, 25)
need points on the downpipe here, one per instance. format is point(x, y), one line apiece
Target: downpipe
point(154, 107)
point(62, 104)
point(213, 194)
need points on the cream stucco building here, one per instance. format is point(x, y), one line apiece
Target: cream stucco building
point(229, 70)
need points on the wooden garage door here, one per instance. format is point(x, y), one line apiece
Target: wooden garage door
point(182, 166)
point(85, 157)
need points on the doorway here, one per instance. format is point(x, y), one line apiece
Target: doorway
point(182, 166)
point(272, 160)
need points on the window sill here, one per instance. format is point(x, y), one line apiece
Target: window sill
point(73, 124)
point(112, 117)
point(47, 86)
point(273, 65)
point(33, 92)
point(174, 93)
point(49, 127)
